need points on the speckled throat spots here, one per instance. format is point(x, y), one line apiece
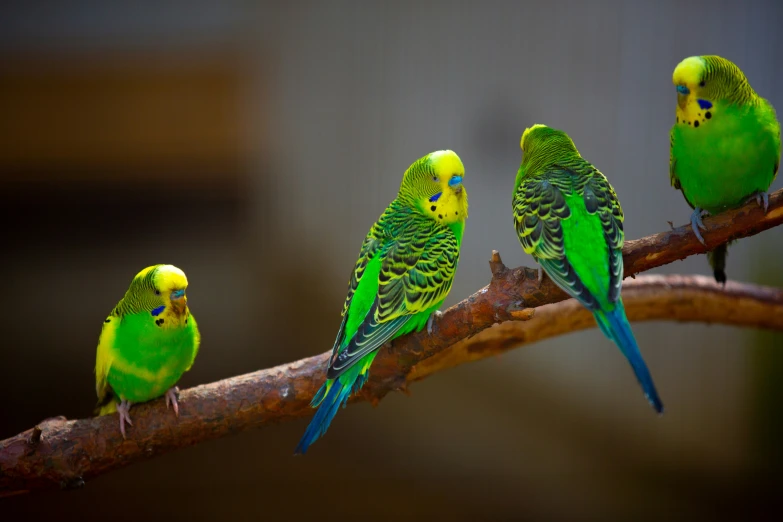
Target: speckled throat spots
point(697, 112)
point(451, 206)
point(170, 319)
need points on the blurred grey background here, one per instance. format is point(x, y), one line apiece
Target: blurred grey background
point(253, 144)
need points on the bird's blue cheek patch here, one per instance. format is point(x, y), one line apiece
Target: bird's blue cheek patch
point(436, 197)
point(157, 311)
point(704, 104)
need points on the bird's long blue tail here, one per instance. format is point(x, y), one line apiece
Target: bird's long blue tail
point(616, 327)
point(329, 399)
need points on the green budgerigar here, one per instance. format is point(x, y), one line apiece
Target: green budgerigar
point(725, 143)
point(148, 341)
point(404, 272)
point(568, 218)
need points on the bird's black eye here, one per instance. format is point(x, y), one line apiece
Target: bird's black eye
point(701, 83)
point(436, 179)
point(157, 292)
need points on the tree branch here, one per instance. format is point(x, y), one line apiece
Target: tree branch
point(661, 249)
point(62, 453)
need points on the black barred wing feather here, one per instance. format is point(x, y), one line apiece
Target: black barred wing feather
point(417, 269)
point(540, 206)
point(370, 336)
point(379, 236)
point(372, 243)
point(601, 199)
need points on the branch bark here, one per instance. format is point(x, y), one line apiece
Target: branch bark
point(64, 453)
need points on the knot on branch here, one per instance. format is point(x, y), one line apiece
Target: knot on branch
point(35, 437)
point(517, 291)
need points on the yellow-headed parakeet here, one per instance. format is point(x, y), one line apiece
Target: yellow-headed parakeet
point(725, 143)
point(568, 218)
point(148, 341)
point(404, 272)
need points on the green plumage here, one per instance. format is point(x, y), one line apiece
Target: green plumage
point(404, 272)
point(569, 219)
point(148, 341)
point(149, 360)
point(410, 261)
point(725, 143)
point(719, 165)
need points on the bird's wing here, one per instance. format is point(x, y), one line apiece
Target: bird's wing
point(600, 199)
point(539, 208)
point(415, 268)
point(105, 358)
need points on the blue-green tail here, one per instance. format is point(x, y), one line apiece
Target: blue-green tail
point(616, 327)
point(332, 395)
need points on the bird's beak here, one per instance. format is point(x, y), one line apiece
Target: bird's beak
point(456, 184)
point(179, 302)
point(682, 96)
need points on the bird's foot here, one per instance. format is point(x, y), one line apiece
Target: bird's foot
point(697, 224)
point(123, 408)
point(540, 276)
point(435, 316)
point(762, 199)
point(171, 398)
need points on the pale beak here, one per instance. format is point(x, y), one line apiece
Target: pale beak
point(456, 184)
point(682, 96)
point(179, 302)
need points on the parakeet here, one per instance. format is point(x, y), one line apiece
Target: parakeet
point(404, 272)
point(725, 143)
point(148, 341)
point(568, 218)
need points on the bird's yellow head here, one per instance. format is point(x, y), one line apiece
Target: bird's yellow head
point(434, 186)
point(702, 82)
point(160, 290)
point(171, 283)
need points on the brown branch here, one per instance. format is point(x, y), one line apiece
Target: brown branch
point(63, 453)
point(660, 249)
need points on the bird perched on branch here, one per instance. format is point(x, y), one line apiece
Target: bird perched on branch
point(404, 272)
point(148, 341)
point(568, 218)
point(725, 143)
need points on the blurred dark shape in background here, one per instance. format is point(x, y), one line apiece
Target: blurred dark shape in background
point(252, 144)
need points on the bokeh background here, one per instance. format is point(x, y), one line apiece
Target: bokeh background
point(252, 144)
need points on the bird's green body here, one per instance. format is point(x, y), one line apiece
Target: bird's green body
point(404, 272)
point(586, 248)
point(719, 165)
point(569, 219)
point(148, 359)
point(725, 143)
point(148, 341)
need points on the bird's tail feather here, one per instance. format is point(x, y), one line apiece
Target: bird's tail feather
point(717, 259)
point(330, 397)
point(615, 326)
